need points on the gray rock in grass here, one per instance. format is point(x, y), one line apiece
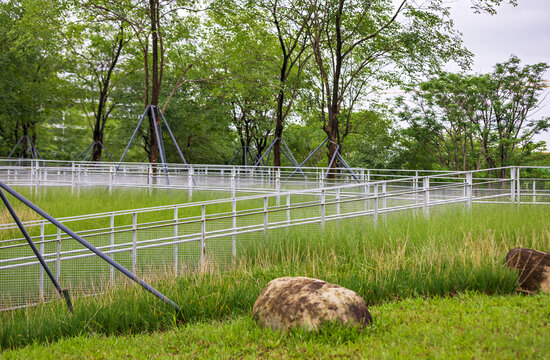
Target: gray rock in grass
point(534, 269)
point(304, 302)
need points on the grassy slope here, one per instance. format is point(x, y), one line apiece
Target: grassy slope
point(407, 257)
point(59, 202)
point(467, 326)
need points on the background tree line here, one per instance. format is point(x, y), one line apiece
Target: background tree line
point(229, 74)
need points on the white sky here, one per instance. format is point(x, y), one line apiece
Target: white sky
point(523, 30)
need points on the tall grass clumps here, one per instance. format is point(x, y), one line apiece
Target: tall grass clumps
point(406, 256)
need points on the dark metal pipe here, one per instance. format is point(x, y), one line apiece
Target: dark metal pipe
point(306, 160)
point(173, 138)
point(331, 161)
point(289, 152)
point(104, 148)
point(266, 152)
point(348, 167)
point(63, 293)
point(159, 142)
point(83, 151)
point(34, 148)
point(234, 156)
point(293, 160)
point(15, 147)
point(133, 136)
point(88, 152)
point(92, 248)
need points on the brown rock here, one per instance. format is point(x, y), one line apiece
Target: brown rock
point(534, 269)
point(300, 301)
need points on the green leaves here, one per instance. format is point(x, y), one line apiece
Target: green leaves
point(473, 121)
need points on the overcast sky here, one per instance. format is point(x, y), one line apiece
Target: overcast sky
point(523, 30)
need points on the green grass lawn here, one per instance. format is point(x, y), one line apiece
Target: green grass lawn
point(406, 257)
point(468, 326)
point(59, 202)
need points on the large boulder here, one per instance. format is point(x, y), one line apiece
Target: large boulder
point(303, 302)
point(534, 269)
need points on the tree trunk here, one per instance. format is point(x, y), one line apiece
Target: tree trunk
point(98, 140)
point(155, 82)
point(98, 130)
point(25, 143)
point(278, 130)
point(102, 112)
point(333, 135)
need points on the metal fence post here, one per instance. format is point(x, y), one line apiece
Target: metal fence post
point(41, 268)
point(265, 216)
point(31, 174)
point(469, 189)
point(278, 184)
point(426, 195)
point(323, 205)
point(150, 177)
point(518, 185)
point(233, 182)
point(375, 204)
point(384, 202)
point(37, 176)
point(44, 182)
point(288, 211)
point(111, 268)
point(78, 180)
point(366, 191)
point(176, 235)
point(134, 243)
point(86, 176)
point(58, 257)
point(415, 188)
point(110, 178)
point(203, 236)
point(512, 184)
point(338, 201)
point(190, 180)
point(234, 237)
point(534, 191)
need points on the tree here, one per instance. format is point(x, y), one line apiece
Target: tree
point(291, 34)
point(445, 114)
point(30, 63)
point(479, 120)
point(353, 41)
point(156, 25)
point(241, 73)
point(286, 55)
point(97, 50)
point(514, 95)
point(373, 141)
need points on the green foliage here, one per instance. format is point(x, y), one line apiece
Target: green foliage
point(235, 72)
point(475, 121)
point(372, 142)
point(31, 90)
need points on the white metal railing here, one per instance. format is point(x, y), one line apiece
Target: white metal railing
point(79, 174)
point(192, 236)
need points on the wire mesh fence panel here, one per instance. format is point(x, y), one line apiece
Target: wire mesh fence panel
point(189, 244)
point(186, 237)
point(21, 286)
